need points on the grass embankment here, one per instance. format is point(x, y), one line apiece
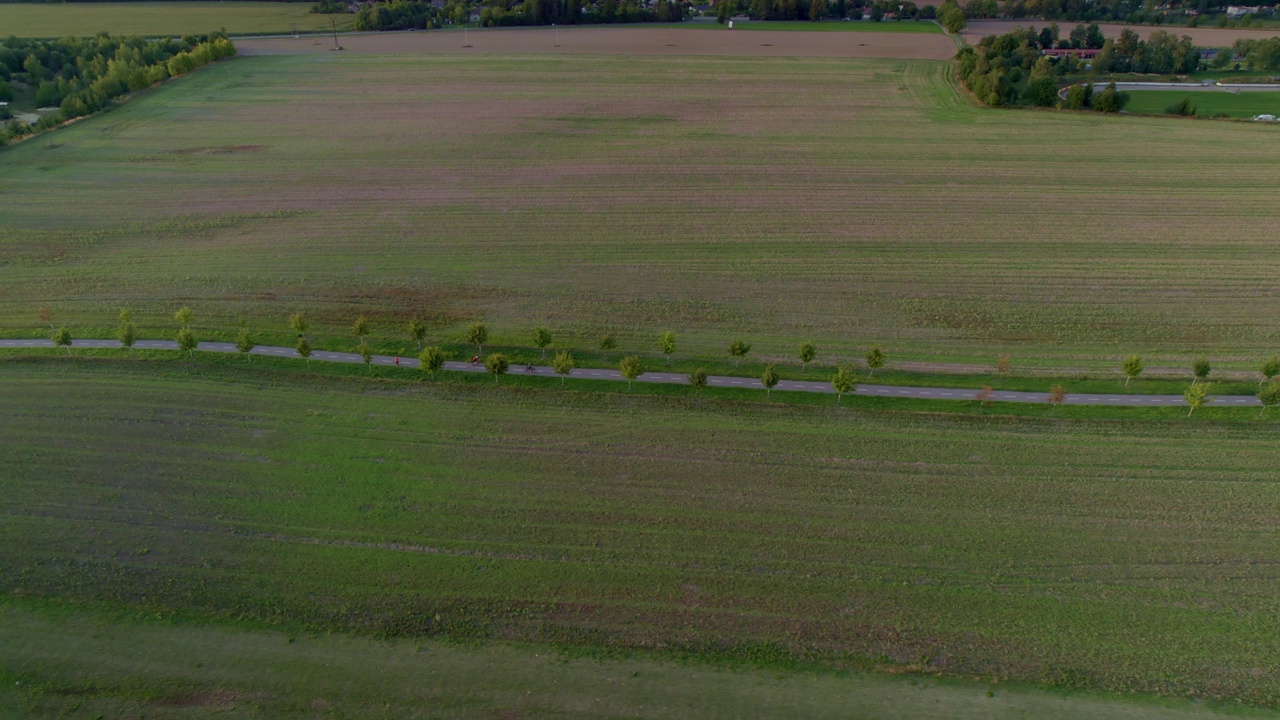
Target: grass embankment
point(1209, 103)
point(55, 20)
point(651, 194)
point(72, 664)
point(1129, 556)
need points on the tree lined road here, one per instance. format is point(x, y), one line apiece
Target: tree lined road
point(812, 386)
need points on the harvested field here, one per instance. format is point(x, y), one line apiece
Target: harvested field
point(1135, 556)
point(54, 20)
point(1201, 36)
point(624, 41)
point(777, 199)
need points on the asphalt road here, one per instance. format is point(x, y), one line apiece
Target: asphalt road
point(676, 378)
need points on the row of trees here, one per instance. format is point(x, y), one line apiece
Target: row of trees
point(84, 75)
point(1133, 366)
point(875, 10)
point(432, 359)
point(420, 14)
point(1133, 12)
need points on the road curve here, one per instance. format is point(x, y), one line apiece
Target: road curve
point(928, 393)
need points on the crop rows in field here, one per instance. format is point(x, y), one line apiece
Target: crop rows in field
point(846, 202)
point(1129, 557)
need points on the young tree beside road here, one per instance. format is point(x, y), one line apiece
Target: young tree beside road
point(698, 380)
point(360, 328)
point(304, 349)
point(126, 333)
point(430, 360)
point(417, 331)
point(1201, 368)
point(366, 354)
point(738, 349)
point(630, 369)
point(563, 364)
point(842, 382)
point(187, 342)
point(1269, 395)
point(497, 364)
point(478, 335)
point(769, 378)
point(668, 343)
point(875, 360)
point(541, 339)
point(1132, 368)
point(244, 343)
point(1196, 395)
point(807, 352)
point(298, 322)
point(1057, 395)
point(62, 338)
point(1270, 369)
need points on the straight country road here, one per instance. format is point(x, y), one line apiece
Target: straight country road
point(929, 393)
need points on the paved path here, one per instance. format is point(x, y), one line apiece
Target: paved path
point(674, 378)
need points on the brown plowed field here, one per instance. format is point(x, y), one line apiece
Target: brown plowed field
point(625, 41)
point(1203, 37)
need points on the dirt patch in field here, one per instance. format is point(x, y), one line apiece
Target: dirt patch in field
point(623, 41)
point(1203, 37)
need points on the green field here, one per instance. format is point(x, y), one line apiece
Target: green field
point(54, 20)
point(846, 202)
point(1124, 557)
point(1207, 103)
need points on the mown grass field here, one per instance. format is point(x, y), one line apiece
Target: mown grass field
point(1118, 556)
point(1207, 104)
point(779, 200)
point(54, 20)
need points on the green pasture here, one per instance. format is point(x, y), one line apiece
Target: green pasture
point(890, 26)
point(845, 202)
point(54, 20)
point(1207, 103)
point(1126, 557)
point(65, 663)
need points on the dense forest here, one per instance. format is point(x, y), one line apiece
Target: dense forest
point(1013, 69)
point(79, 76)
